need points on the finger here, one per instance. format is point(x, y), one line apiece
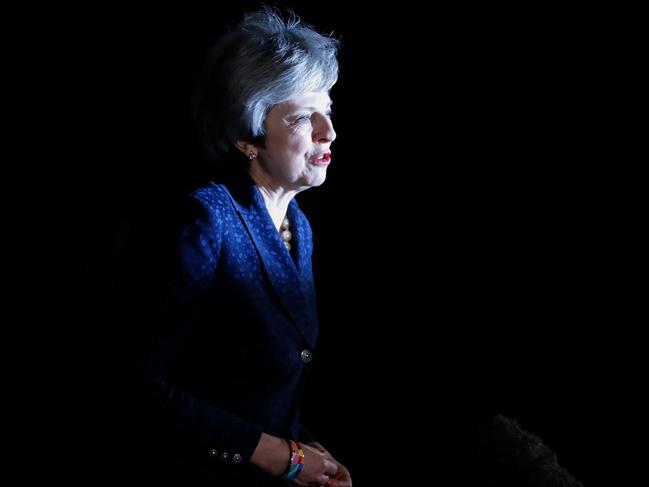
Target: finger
point(330, 468)
point(338, 483)
point(340, 476)
point(343, 473)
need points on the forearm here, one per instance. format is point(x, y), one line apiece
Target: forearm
point(187, 423)
point(271, 455)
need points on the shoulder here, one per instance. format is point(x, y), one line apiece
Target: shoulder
point(200, 211)
point(214, 197)
point(209, 203)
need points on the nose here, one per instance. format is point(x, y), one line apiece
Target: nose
point(323, 130)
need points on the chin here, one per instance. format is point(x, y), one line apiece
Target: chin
point(319, 181)
point(314, 182)
point(312, 179)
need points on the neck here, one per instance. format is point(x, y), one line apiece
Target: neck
point(276, 197)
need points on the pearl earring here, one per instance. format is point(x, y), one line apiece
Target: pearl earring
point(252, 155)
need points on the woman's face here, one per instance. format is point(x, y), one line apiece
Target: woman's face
point(299, 134)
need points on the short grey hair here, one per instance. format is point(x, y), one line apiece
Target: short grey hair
point(262, 61)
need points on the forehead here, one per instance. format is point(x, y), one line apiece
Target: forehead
point(314, 99)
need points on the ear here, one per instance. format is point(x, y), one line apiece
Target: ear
point(247, 149)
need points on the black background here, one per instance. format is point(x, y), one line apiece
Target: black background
point(461, 239)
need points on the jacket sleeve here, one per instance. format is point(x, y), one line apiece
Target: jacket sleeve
point(161, 408)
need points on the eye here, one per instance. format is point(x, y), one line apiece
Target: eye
point(302, 119)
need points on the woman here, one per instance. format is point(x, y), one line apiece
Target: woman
point(213, 373)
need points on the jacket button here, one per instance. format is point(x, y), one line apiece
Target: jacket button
point(306, 356)
point(225, 456)
point(236, 458)
point(214, 454)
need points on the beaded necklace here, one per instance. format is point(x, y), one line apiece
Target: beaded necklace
point(285, 233)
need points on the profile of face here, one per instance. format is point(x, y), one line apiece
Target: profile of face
point(299, 133)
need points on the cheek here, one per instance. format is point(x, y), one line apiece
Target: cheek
point(298, 143)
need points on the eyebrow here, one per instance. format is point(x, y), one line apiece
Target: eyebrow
point(312, 108)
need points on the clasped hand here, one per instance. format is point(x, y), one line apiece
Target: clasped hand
point(321, 469)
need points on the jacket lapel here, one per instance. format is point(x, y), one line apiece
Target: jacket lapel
point(303, 251)
point(291, 282)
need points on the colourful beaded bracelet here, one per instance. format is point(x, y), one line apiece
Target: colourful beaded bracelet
point(296, 461)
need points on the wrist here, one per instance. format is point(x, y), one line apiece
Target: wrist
point(296, 461)
point(271, 455)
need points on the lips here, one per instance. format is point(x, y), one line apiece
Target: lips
point(321, 159)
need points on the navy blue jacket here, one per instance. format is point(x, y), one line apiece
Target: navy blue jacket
point(219, 348)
